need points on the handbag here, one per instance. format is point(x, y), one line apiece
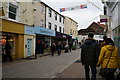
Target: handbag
point(104, 71)
point(117, 74)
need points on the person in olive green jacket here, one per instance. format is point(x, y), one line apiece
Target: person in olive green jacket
point(105, 56)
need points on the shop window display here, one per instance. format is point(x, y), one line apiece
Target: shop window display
point(11, 39)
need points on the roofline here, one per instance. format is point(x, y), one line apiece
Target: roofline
point(52, 8)
point(71, 19)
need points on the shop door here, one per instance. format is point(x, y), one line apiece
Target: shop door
point(29, 42)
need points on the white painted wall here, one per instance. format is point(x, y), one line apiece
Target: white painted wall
point(53, 21)
point(113, 13)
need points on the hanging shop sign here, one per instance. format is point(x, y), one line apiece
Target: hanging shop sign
point(103, 18)
point(29, 30)
point(44, 31)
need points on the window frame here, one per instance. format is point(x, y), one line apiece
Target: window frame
point(49, 25)
point(11, 12)
point(55, 27)
point(50, 13)
point(60, 29)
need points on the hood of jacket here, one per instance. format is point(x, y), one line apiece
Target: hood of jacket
point(110, 47)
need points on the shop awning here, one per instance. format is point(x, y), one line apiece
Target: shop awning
point(62, 35)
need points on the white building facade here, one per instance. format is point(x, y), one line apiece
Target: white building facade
point(54, 20)
point(113, 24)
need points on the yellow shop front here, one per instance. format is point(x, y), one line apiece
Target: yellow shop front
point(14, 33)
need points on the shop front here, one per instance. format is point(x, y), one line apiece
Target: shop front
point(116, 34)
point(13, 33)
point(29, 40)
point(43, 35)
point(62, 38)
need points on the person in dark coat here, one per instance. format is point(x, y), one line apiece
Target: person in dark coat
point(42, 47)
point(8, 51)
point(53, 48)
point(59, 47)
point(89, 56)
point(70, 46)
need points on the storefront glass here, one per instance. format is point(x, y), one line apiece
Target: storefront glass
point(11, 39)
point(116, 35)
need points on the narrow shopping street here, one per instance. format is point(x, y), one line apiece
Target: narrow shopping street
point(42, 67)
point(60, 39)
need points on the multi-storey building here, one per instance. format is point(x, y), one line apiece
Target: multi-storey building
point(112, 10)
point(17, 27)
point(54, 20)
point(71, 28)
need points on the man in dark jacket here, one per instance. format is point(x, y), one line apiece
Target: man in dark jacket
point(89, 56)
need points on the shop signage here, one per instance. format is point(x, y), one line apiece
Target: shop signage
point(61, 35)
point(44, 31)
point(103, 18)
point(29, 30)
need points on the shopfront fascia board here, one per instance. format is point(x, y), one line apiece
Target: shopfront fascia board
point(29, 30)
point(44, 31)
point(13, 27)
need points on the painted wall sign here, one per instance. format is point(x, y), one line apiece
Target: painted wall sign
point(29, 30)
point(44, 31)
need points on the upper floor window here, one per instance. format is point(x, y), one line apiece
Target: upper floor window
point(42, 9)
point(49, 25)
point(60, 29)
point(63, 30)
point(55, 27)
point(60, 19)
point(63, 20)
point(55, 16)
point(42, 22)
point(50, 13)
point(12, 11)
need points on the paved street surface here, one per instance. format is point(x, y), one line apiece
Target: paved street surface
point(43, 67)
point(76, 71)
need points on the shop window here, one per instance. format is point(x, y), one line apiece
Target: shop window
point(11, 39)
point(12, 11)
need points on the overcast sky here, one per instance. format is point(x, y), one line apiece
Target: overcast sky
point(84, 17)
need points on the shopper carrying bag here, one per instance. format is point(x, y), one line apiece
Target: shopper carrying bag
point(108, 59)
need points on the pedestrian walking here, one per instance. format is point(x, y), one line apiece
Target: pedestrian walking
point(108, 59)
point(66, 48)
point(104, 39)
point(53, 48)
point(8, 51)
point(42, 47)
point(59, 47)
point(89, 56)
point(70, 46)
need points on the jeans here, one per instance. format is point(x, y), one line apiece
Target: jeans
point(93, 70)
point(59, 51)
